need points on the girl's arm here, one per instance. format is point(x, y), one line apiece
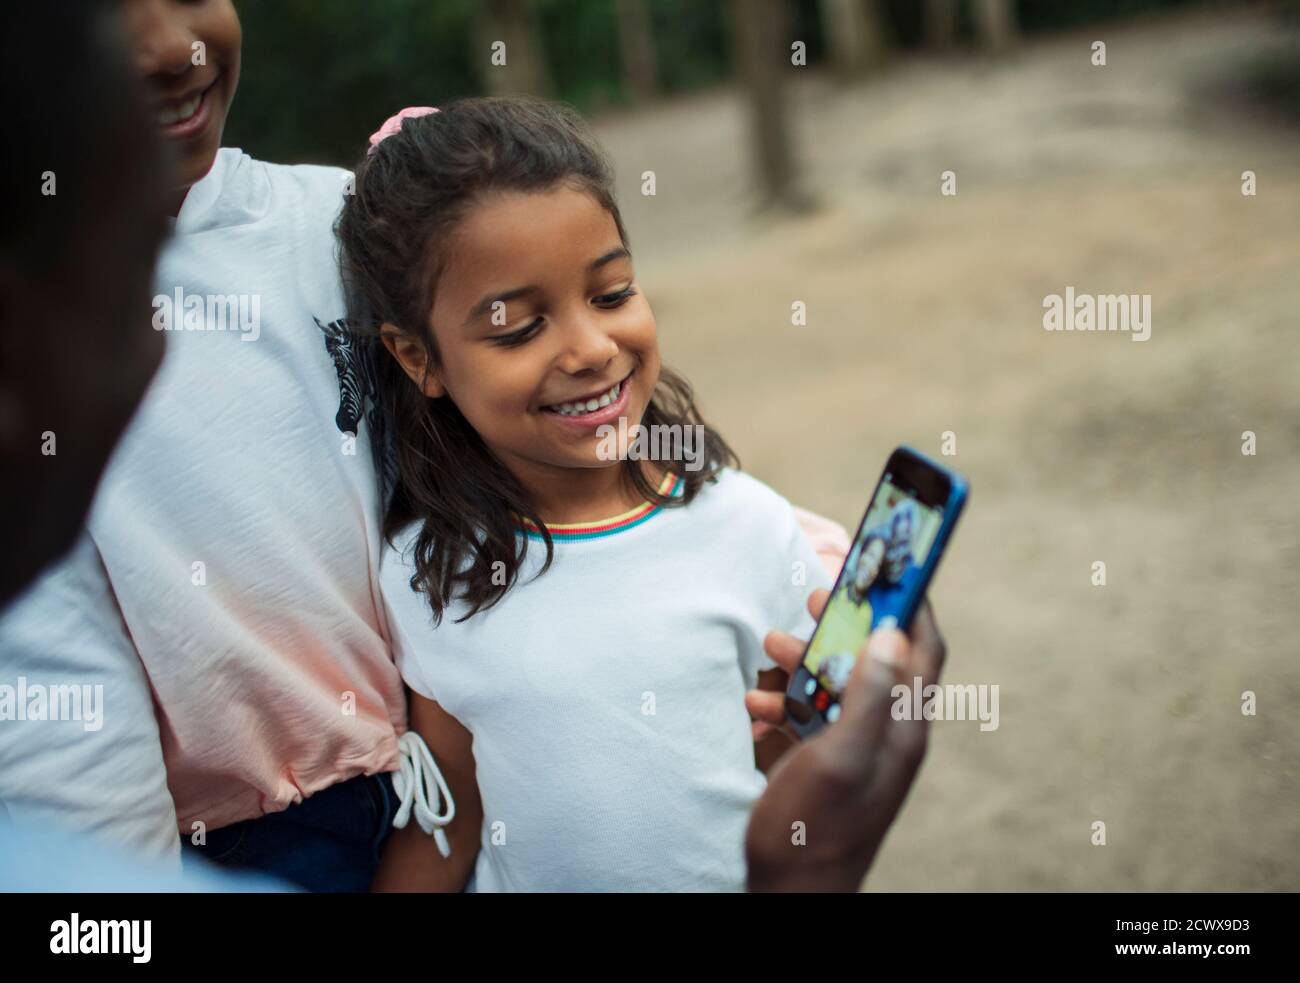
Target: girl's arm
point(411, 861)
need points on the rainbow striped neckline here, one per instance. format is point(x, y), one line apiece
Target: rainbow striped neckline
point(570, 532)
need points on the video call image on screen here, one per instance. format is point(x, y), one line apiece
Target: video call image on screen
point(882, 567)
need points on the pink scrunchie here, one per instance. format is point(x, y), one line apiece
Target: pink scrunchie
point(394, 123)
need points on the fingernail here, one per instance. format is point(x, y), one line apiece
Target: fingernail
point(887, 647)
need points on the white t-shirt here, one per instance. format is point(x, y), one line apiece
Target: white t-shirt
point(606, 697)
point(238, 527)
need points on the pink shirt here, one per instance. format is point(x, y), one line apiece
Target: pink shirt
point(239, 518)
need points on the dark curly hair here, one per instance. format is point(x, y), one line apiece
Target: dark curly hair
point(410, 194)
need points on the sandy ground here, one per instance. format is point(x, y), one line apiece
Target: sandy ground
point(1121, 703)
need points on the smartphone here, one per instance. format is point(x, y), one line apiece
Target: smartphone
point(895, 551)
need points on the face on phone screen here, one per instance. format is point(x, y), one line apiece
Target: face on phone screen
point(883, 568)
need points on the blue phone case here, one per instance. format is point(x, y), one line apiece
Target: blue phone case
point(958, 492)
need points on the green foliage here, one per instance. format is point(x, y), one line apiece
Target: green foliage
point(580, 39)
point(320, 75)
point(1032, 16)
point(1041, 15)
point(691, 47)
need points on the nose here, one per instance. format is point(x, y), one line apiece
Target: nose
point(588, 347)
point(160, 43)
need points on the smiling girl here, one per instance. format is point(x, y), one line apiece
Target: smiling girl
point(578, 632)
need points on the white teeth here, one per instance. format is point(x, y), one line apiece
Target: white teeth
point(590, 405)
point(167, 116)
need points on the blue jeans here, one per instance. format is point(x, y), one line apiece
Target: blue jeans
point(330, 841)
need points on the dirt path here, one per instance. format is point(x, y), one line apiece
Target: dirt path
point(1119, 704)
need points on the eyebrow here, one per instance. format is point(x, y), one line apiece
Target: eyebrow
point(486, 304)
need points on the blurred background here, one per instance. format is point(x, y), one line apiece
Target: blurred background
point(820, 182)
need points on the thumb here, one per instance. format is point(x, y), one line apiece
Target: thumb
point(865, 704)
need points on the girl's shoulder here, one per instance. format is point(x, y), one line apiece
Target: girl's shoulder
point(396, 566)
point(734, 487)
point(397, 557)
point(741, 502)
point(397, 550)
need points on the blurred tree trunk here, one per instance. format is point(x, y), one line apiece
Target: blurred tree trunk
point(636, 42)
point(762, 58)
point(514, 23)
point(940, 23)
point(995, 23)
point(855, 35)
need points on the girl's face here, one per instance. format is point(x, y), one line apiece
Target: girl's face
point(187, 51)
point(543, 334)
point(869, 564)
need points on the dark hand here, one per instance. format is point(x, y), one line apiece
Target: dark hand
point(846, 785)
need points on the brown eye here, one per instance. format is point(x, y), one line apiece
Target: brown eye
point(516, 338)
point(615, 300)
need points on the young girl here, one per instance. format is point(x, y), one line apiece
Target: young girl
point(578, 627)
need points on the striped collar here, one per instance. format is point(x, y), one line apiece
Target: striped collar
point(569, 532)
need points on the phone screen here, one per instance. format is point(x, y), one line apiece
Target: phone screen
point(880, 580)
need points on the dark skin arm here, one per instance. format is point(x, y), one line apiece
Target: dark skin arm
point(411, 861)
point(848, 783)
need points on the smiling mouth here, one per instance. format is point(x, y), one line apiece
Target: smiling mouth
point(590, 404)
point(175, 113)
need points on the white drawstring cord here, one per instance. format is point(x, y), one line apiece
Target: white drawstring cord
point(411, 782)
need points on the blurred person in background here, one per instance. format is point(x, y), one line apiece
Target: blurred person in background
point(85, 217)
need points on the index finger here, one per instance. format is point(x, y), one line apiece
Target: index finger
point(855, 739)
point(817, 602)
point(786, 650)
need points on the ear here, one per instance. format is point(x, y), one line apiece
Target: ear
point(414, 359)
